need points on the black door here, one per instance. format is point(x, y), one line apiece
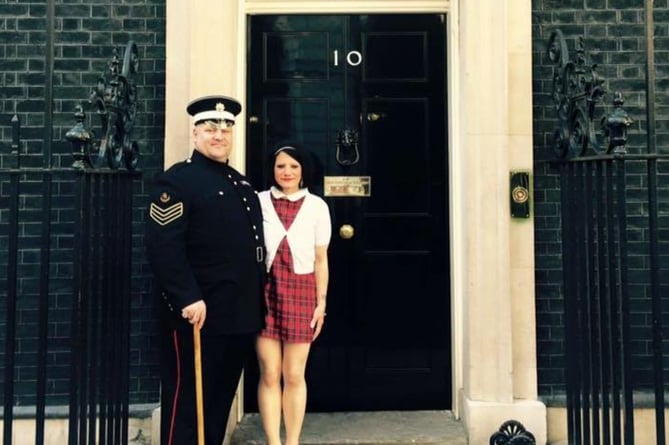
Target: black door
point(366, 94)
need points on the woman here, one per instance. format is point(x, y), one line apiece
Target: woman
point(297, 231)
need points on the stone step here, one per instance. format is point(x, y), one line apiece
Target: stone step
point(365, 428)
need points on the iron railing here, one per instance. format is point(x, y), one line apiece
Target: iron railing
point(612, 233)
point(68, 232)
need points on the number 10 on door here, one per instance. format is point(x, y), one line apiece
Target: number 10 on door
point(353, 58)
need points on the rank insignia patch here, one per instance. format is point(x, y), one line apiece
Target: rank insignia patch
point(166, 215)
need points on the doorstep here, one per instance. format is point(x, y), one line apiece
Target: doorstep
point(365, 428)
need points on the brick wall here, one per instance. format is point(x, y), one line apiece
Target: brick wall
point(85, 34)
point(87, 31)
point(614, 33)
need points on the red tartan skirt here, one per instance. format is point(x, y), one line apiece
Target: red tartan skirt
point(290, 297)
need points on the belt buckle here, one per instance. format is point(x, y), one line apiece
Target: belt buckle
point(259, 254)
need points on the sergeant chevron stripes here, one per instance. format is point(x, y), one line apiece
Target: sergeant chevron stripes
point(166, 215)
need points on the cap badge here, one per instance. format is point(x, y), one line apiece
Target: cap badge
point(220, 107)
point(164, 197)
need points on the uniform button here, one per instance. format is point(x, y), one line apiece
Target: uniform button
point(229, 176)
point(256, 237)
point(244, 199)
point(188, 161)
point(220, 192)
point(248, 209)
point(234, 182)
point(254, 227)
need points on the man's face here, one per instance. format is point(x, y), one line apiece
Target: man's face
point(213, 140)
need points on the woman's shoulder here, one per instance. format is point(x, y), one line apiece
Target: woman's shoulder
point(318, 206)
point(315, 198)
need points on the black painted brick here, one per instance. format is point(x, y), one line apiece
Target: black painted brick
point(614, 33)
point(86, 32)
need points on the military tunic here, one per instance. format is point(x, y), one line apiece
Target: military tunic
point(204, 241)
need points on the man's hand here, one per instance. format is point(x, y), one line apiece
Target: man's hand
point(195, 313)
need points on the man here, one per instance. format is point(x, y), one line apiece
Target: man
point(204, 242)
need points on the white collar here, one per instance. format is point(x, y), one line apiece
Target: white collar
point(278, 194)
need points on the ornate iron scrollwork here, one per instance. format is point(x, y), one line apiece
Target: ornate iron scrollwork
point(577, 88)
point(114, 100)
point(512, 432)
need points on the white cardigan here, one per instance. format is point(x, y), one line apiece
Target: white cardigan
point(311, 228)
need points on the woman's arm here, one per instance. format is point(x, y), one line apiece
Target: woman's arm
point(322, 275)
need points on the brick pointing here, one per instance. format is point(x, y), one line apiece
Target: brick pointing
point(87, 32)
point(85, 35)
point(614, 33)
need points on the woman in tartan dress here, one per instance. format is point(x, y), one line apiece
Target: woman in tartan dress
point(297, 232)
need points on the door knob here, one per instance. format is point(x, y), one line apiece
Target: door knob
point(373, 117)
point(346, 231)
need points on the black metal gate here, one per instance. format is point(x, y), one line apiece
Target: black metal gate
point(614, 247)
point(67, 233)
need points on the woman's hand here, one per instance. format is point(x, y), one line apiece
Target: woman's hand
point(318, 319)
point(195, 313)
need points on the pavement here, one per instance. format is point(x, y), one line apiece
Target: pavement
point(365, 428)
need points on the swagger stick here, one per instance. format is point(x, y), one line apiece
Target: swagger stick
point(198, 386)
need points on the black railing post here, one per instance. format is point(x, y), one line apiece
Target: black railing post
point(570, 306)
point(603, 296)
point(614, 298)
point(12, 288)
point(656, 298)
point(624, 308)
point(43, 311)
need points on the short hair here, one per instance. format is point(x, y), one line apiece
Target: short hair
point(216, 123)
point(302, 156)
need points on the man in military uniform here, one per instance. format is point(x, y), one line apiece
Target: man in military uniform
point(205, 246)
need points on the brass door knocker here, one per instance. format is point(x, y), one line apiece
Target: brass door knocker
point(347, 147)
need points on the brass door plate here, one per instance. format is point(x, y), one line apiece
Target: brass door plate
point(351, 186)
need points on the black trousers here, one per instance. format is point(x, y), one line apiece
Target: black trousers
point(223, 357)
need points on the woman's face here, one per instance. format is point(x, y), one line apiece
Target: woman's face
point(287, 173)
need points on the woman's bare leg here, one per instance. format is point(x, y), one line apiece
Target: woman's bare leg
point(294, 389)
point(269, 387)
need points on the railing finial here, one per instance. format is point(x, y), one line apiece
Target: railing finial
point(615, 126)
